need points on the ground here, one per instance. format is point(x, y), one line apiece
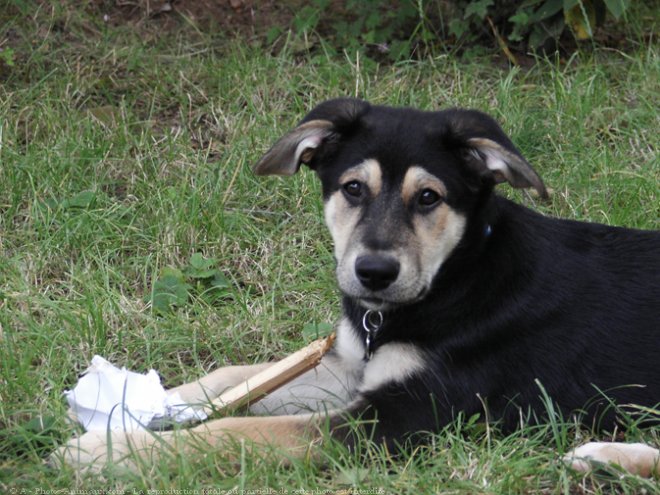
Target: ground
point(229, 16)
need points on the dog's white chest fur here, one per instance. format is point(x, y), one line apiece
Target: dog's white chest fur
point(392, 362)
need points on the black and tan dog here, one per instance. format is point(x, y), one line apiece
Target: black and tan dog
point(455, 299)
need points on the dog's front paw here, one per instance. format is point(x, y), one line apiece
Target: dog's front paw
point(97, 449)
point(636, 458)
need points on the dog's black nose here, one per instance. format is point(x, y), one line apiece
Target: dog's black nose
point(376, 272)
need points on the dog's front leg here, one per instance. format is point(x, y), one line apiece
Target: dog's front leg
point(330, 385)
point(95, 450)
point(215, 383)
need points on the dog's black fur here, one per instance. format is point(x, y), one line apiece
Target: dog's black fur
point(571, 304)
point(522, 298)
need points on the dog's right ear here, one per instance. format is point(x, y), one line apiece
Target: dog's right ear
point(294, 148)
point(329, 119)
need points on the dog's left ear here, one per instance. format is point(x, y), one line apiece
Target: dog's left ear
point(491, 152)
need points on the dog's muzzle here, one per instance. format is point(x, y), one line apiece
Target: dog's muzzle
point(376, 272)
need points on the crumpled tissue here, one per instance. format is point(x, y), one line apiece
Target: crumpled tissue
point(107, 397)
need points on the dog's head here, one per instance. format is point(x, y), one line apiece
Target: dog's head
point(399, 187)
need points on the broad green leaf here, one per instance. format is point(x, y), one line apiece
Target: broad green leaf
point(478, 8)
point(84, 199)
point(457, 27)
point(169, 291)
point(200, 267)
point(168, 271)
point(529, 3)
point(399, 50)
point(219, 281)
point(548, 9)
point(199, 262)
point(538, 36)
point(617, 7)
point(581, 19)
point(520, 18)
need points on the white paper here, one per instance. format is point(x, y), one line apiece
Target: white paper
point(107, 397)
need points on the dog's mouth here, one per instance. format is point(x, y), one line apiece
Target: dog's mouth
point(374, 303)
point(381, 304)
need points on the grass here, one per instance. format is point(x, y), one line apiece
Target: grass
point(121, 157)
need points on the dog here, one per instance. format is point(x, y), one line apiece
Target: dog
point(455, 299)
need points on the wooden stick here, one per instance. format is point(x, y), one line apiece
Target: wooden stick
point(281, 372)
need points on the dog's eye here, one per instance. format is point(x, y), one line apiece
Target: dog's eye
point(353, 188)
point(428, 197)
